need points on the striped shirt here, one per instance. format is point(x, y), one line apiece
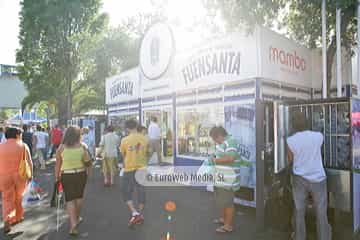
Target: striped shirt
point(229, 171)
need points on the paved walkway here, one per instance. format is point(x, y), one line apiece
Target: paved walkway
point(106, 216)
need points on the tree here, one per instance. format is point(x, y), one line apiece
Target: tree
point(301, 19)
point(5, 114)
point(115, 51)
point(53, 36)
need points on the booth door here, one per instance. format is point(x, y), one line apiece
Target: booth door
point(264, 156)
point(165, 122)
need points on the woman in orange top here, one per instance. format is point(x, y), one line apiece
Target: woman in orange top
point(12, 185)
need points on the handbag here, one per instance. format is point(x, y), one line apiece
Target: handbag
point(24, 167)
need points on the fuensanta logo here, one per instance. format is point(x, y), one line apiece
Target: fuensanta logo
point(289, 59)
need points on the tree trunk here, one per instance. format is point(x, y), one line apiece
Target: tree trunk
point(62, 111)
point(69, 102)
point(329, 62)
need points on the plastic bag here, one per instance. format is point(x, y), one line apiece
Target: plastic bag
point(207, 167)
point(31, 194)
point(58, 198)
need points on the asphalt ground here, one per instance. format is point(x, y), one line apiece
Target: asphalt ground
point(106, 215)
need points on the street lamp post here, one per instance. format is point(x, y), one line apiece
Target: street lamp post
point(324, 57)
point(338, 51)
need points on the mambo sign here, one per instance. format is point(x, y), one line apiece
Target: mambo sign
point(221, 62)
point(122, 87)
point(289, 59)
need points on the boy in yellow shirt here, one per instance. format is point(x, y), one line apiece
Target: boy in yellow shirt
point(134, 149)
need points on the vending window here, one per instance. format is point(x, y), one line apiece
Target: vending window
point(193, 126)
point(118, 122)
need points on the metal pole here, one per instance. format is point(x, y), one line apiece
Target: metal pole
point(323, 23)
point(338, 51)
point(358, 50)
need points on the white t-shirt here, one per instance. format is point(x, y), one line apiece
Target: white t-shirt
point(110, 142)
point(2, 138)
point(154, 131)
point(41, 139)
point(306, 148)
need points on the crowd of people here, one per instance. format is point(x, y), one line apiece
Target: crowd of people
point(76, 150)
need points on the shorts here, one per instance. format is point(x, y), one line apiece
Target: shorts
point(224, 198)
point(129, 185)
point(74, 185)
point(108, 165)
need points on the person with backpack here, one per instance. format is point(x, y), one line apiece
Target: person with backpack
point(28, 138)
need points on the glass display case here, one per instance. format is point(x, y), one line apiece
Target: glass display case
point(193, 126)
point(331, 119)
point(338, 121)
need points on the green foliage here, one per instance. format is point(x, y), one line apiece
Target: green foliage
point(53, 34)
point(5, 114)
point(300, 18)
point(67, 51)
point(114, 51)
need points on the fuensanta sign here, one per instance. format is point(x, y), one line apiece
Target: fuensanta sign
point(156, 52)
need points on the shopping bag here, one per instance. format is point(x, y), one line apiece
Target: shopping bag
point(24, 167)
point(206, 168)
point(57, 198)
point(31, 194)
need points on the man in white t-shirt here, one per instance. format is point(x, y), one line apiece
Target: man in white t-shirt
point(154, 134)
point(309, 178)
point(2, 135)
point(40, 146)
point(109, 145)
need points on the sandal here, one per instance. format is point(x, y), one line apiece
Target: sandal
point(7, 227)
point(223, 229)
point(219, 221)
point(17, 222)
point(79, 221)
point(74, 232)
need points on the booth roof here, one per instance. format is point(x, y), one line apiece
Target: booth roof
point(27, 117)
point(94, 112)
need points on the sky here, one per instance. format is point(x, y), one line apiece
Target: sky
point(181, 12)
point(9, 25)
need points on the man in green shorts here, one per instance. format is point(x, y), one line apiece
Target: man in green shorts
point(227, 168)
